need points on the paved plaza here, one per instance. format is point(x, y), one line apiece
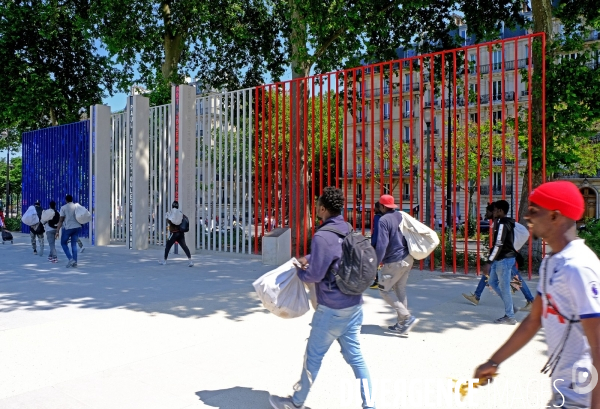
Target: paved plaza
point(123, 332)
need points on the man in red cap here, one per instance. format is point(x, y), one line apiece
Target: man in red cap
point(567, 304)
point(392, 254)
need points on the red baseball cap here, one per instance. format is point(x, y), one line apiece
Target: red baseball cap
point(388, 201)
point(560, 195)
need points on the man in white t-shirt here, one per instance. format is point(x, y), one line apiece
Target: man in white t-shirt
point(567, 304)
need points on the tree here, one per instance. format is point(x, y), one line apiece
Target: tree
point(473, 154)
point(51, 66)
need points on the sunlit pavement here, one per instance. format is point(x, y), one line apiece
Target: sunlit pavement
point(122, 332)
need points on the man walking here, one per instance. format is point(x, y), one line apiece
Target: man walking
point(37, 230)
point(338, 316)
point(375, 232)
point(70, 230)
point(51, 229)
point(502, 260)
point(475, 297)
point(392, 254)
point(567, 304)
point(176, 235)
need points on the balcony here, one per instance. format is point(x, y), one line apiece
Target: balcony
point(496, 190)
point(362, 145)
point(415, 87)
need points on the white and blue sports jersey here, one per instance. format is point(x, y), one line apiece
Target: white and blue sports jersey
point(572, 279)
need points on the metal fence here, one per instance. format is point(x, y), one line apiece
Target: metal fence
point(118, 169)
point(224, 130)
point(160, 166)
point(56, 163)
point(339, 129)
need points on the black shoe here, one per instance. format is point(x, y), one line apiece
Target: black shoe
point(35, 252)
point(375, 285)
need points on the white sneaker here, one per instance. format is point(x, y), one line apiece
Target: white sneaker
point(191, 264)
point(162, 262)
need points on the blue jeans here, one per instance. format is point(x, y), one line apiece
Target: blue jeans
point(72, 234)
point(500, 276)
point(514, 272)
point(329, 325)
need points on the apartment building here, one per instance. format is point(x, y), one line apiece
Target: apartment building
point(399, 103)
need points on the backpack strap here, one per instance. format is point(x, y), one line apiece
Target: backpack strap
point(336, 231)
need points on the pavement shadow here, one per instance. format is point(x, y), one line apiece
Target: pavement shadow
point(118, 278)
point(235, 398)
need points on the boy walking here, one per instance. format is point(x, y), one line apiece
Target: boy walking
point(392, 255)
point(567, 304)
point(70, 230)
point(176, 235)
point(338, 316)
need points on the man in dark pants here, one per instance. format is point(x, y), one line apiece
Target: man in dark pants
point(338, 316)
point(176, 234)
point(374, 233)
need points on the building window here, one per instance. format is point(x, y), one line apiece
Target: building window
point(386, 165)
point(386, 189)
point(406, 134)
point(496, 117)
point(386, 87)
point(497, 179)
point(386, 136)
point(359, 166)
point(358, 138)
point(406, 190)
point(359, 189)
point(497, 60)
point(386, 110)
point(473, 118)
point(497, 90)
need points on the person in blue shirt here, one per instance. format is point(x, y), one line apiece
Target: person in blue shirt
point(395, 262)
point(338, 316)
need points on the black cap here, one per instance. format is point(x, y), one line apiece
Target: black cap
point(175, 204)
point(37, 203)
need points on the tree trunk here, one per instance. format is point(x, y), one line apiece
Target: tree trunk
point(299, 213)
point(542, 23)
point(53, 120)
point(172, 42)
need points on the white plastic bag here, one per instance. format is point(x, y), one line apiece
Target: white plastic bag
point(521, 234)
point(82, 215)
point(30, 217)
point(176, 216)
point(47, 215)
point(421, 239)
point(282, 292)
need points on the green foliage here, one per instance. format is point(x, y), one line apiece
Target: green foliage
point(51, 66)
point(591, 234)
point(12, 223)
point(15, 176)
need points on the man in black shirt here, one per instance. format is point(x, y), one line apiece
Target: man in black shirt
point(502, 259)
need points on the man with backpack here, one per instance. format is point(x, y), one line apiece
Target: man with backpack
point(567, 304)
point(396, 262)
point(339, 315)
point(475, 297)
point(50, 227)
point(175, 218)
point(37, 230)
point(502, 259)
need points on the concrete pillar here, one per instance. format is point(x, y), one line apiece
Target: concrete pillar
point(100, 139)
point(137, 210)
point(183, 180)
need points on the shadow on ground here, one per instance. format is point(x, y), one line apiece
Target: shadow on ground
point(115, 277)
point(235, 398)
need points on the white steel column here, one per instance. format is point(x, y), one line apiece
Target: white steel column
point(137, 210)
point(100, 179)
point(183, 178)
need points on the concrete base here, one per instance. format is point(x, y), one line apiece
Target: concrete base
point(277, 247)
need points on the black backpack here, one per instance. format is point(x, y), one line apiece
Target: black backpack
point(358, 266)
point(184, 226)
